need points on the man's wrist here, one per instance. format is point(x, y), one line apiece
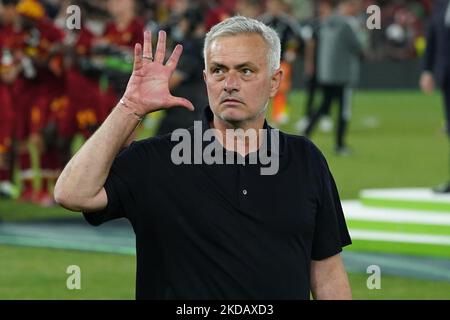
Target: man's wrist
point(130, 108)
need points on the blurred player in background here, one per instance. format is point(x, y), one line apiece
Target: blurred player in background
point(339, 51)
point(9, 70)
point(289, 31)
point(120, 35)
point(44, 82)
point(248, 8)
point(310, 35)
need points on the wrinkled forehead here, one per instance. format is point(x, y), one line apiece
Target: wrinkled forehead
point(236, 49)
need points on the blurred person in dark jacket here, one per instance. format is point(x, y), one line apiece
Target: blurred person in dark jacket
point(436, 66)
point(310, 34)
point(339, 51)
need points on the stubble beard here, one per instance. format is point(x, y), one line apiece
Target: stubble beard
point(242, 122)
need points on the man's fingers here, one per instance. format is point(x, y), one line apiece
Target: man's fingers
point(137, 56)
point(161, 47)
point(177, 101)
point(175, 56)
point(147, 44)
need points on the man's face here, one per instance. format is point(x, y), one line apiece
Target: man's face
point(116, 7)
point(353, 8)
point(238, 79)
point(324, 9)
point(8, 14)
point(274, 7)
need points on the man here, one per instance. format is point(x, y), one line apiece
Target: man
point(6, 123)
point(339, 50)
point(41, 79)
point(437, 62)
point(289, 30)
point(215, 231)
point(9, 69)
point(248, 8)
point(310, 35)
point(126, 27)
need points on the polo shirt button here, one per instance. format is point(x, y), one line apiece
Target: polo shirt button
point(244, 192)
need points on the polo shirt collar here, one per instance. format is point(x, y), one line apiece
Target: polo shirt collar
point(208, 117)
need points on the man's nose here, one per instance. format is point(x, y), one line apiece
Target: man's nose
point(231, 82)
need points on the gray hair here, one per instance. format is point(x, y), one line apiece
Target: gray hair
point(242, 25)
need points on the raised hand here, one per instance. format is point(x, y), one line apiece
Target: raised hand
point(148, 87)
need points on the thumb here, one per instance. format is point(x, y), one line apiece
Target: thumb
point(177, 101)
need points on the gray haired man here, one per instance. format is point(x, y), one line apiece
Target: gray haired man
point(215, 231)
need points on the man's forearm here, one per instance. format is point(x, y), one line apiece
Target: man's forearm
point(329, 279)
point(85, 174)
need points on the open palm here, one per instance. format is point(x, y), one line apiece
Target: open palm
point(148, 87)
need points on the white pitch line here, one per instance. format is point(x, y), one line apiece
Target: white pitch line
point(399, 237)
point(354, 210)
point(410, 194)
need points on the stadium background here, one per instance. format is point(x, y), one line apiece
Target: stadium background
point(396, 134)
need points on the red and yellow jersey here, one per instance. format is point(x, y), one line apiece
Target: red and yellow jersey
point(41, 40)
point(84, 110)
point(50, 37)
point(14, 41)
point(11, 38)
point(84, 42)
point(49, 83)
point(6, 118)
point(128, 37)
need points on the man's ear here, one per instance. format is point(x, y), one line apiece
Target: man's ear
point(275, 82)
point(204, 75)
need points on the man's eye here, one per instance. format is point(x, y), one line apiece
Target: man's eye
point(217, 71)
point(247, 72)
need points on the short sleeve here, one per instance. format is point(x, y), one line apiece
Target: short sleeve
point(121, 186)
point(330, 233)
point(114, 209)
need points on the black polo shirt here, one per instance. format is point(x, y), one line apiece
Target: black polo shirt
point(225, 231)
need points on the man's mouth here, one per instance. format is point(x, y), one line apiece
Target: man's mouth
point(232, 101)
